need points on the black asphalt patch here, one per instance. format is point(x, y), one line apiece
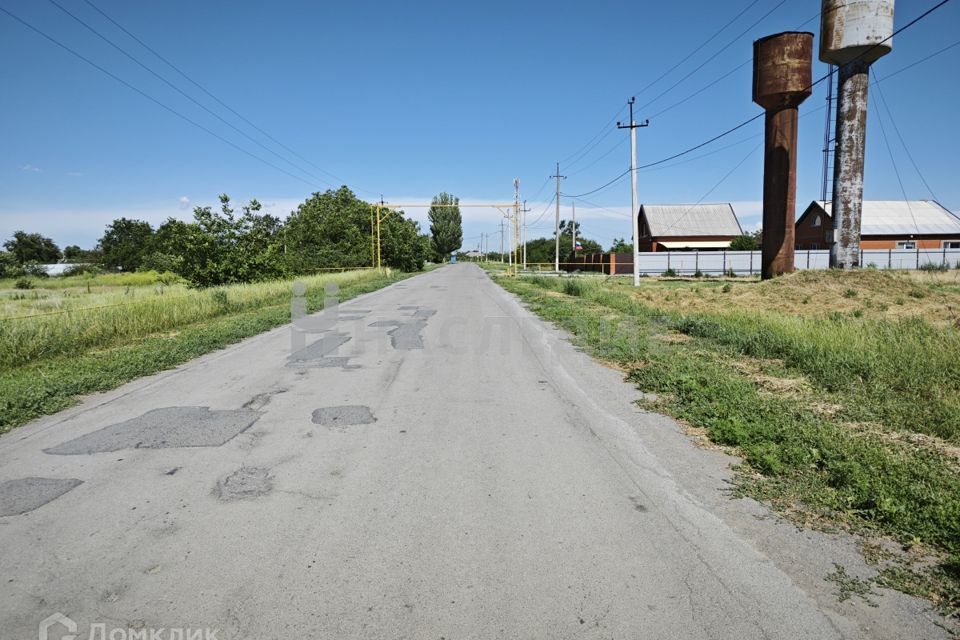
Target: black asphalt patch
point(167, 428)
point(343, 416)
point(406, 336)
point(318, 349)
point(26, 494)
point(244, 483)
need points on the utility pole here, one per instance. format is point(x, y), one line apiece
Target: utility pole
point(501, 241)
point(516, 223)
point(573, 215)
point(524, 211)
point(634, 214)
point(556, 258)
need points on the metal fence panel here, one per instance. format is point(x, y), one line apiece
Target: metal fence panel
point(742, 263)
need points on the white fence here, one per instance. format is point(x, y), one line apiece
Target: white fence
point(748, 262)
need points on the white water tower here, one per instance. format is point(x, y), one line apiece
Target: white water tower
point(853, 35)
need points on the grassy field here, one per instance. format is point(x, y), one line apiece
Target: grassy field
point(841, 392)
point(73, 336)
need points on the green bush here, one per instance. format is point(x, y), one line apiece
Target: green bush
point(23, 283)
point(572, 287)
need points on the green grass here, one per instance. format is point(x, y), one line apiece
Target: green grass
point(127, 317)
point(903, 376)
point(58, 361)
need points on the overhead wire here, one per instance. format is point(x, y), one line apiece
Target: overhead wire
point(714, 56)
point(152, 99)
point(606, 131)
point(896, 170)
point(761, 114)
point(706, 195)
point(185, 94)
point(213, 96)
point(699, 48)
point(903, 143)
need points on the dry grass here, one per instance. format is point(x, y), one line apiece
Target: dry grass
point(865, 293)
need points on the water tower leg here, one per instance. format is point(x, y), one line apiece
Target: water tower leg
point(851, 130)
point(779, 192)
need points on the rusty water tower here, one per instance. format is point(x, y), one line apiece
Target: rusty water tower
point(782, 69)
point(853, 35)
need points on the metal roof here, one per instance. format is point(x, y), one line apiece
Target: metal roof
point(905, 218)
point(666, 220)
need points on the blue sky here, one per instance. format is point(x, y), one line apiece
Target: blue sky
point(409, 99)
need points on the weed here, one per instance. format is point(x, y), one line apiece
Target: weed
point(849, 586)
point(572, 287)
point(727, 288)
point(850, 293)
point(24, 283)
point(935, 266)
point(670, 273)
point(137, 336)
point(884, 378)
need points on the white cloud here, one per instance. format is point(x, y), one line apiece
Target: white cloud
point(184, 202)
point(31, 168)
point(74, 174)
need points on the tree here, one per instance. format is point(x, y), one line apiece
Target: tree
point(219, 248)
point(746, 242)
point(32, 247)
point(125, 243)
point(334, 229)
point(620, 245)
point(446, 225)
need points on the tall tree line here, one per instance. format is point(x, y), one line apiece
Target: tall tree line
point(224, 245)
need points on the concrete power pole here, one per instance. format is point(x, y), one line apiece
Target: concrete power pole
point(501, 242)
point(523, 239)
point(518, 225)
point(633, 126)
point(573, 215)
point(556, 258)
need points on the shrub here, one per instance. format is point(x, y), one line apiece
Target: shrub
point(727, 288)
point(573, 287)
point(23, 283)
point(35, 269)
point(82, 269)
point(670, 273)
point(850, 293)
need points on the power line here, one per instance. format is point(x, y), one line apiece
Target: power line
point(542, 213)
point(152, 99)
point(597, 139)
point(185, 94)
point(713, 188)
point(601, 188)
point(214, 97)
point(760, 115)
point(603, 129)
point(924, 59)
point(619, 144)
point(896, 170)
point(699, 48)
point(714, 56)
point(893, 121)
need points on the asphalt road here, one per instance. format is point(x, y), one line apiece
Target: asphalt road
point(436, 464)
